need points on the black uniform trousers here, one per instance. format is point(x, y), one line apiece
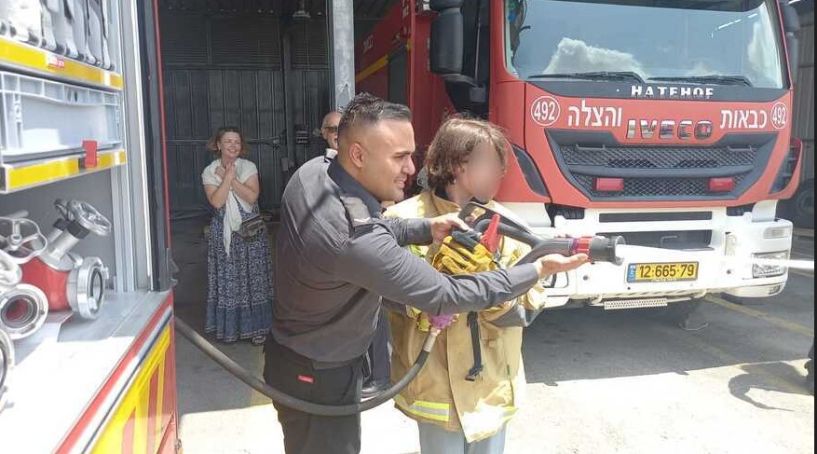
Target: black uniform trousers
point(379, 357)
point(305, 379)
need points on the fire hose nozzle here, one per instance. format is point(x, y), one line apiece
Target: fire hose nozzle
point(597, 248)
point(600, 248)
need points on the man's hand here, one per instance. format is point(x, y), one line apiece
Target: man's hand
point(441, 226)
point(557, 263)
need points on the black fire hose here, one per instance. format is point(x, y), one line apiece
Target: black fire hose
point(285, 399)
point(597, 248)
point(540, 247)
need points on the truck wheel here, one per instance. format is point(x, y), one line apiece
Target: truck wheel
point(686, 315)
point(802, 206)
point(746, 301)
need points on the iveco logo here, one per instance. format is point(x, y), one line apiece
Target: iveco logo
point(662, 92)
point(669, 129)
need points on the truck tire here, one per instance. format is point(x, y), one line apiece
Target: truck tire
point(746, 301)
point(802, 206)
point(685, 314)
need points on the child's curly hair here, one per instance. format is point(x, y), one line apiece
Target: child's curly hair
point(454, 142)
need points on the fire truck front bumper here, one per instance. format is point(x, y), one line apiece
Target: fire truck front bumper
point(653, 276)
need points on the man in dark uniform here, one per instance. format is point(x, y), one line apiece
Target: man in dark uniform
point(378, 356)
point(379, 359)
point(337, 259)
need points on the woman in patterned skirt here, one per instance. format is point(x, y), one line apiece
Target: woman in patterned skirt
point(239, 269)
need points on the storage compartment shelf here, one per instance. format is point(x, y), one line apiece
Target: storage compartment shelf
point(18, 177)
point(41, 118)
point(63, 367)
point(21, 56)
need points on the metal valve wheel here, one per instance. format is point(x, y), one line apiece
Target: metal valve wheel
point(88, 217)
point(10, 273)
point(62, 209)
point(86, 287)
point(21, 239)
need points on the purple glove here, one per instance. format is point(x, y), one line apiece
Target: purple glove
point(441, 321)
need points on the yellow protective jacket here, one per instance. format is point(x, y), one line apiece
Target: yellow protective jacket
point(440, 394)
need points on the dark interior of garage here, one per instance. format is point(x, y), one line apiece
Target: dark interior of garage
point(261, 65)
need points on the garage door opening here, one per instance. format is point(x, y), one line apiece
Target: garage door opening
point(262, 66)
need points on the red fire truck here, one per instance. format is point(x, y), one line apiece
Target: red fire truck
point(666, 122)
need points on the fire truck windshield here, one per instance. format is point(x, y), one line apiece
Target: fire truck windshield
point(731, 42)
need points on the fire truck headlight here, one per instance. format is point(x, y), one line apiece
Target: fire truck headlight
point(766, 270)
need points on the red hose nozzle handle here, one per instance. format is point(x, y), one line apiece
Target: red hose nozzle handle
point(598, 248)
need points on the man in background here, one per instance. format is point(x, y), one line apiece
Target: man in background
point(329, 132)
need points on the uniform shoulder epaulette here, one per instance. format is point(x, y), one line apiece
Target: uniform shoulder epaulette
point(360, 220)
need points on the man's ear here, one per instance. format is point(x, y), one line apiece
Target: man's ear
point(356, 155)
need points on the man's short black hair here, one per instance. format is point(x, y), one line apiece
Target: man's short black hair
point(366, 110)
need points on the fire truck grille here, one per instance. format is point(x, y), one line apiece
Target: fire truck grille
point(660, 172)
point(654, 187)
point(658, 158)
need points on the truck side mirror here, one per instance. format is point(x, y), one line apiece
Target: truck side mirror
point(791, 27)
point(446, 47)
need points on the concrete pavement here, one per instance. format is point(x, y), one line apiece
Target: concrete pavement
point(598, 382)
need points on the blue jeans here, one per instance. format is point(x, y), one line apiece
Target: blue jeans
point(436, 440)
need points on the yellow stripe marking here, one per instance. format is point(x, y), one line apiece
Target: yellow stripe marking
point(136, 401)
point(432, 405)
point(107, 160)
point(45, 172)
point(41, 60)
point(377, 65)
point(373, 68)
point(779, 322)
point(41, 173)
point(429, 410)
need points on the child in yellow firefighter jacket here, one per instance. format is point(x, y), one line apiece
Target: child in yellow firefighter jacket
point(457, 413)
